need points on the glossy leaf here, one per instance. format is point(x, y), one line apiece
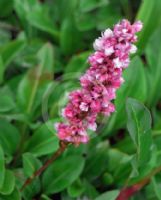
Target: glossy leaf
point(139, 127)
point(8, 52)
point(34, 13)
point(110, 195)
point(15, 195)
point(30, 164)
point(77, 63)
point(8, 184)
point(69, 37)
point(42, 22)
point(119, 165)
point(58, 176)
point(149, 12)
point(108, 15)
point(98, 154)
point(76, 189)
point(86, 6)
point(90, 191)
point(45, 197)
point(1, 69)
point(11, 50)
point(153, 53)
point(43, 141)
point(156, 187)
point(85, 21)
point(7, 102)
point(34, 83)
point(8, 8)
point(9, 137)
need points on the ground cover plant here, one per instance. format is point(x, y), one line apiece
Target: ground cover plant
point(47, 63)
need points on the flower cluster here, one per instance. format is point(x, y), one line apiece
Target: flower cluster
point(99, 83)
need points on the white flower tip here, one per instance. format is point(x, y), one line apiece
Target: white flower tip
point(83, 106)
point(138, 26)
point(97, 45)
point(108, 33)
point(133, 49)
point(56, 125)
point(92, 126)
point(109, 51)
point(117, 63)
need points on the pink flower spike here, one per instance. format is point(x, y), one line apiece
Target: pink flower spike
point(100, 82)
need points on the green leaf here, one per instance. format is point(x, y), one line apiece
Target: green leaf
point(43, 141)
point(43, 22)
point(153, 55)
point(32, 13)
point(11, 50)
point(9, 137)
point(89, 5)
point(119, 165)
point(1, 69)
point(2, 167)
point(90, 191)
point(110, 195)
point(62, 173)
point(107, 16)
point(65, 8)
point(85, 21)
point(78, 63)
point(45, 197)
point(97, 154)
point(15, 195)
point(8, 8)
point(8, 184)
point(45, 56)
point(76, 189)
point(15, 116)
point(31, 190)
point(107, 178)
point(156, 187)
point(7, 102)
point(5, 34)
point(138, 174)
point(70, 37)
point(35, 82)
point(149, 12)
point(30, 164)
point(139, 127)
point(8, 52)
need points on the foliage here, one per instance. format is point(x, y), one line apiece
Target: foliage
point(44, 46)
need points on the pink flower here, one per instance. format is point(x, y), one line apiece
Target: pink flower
point(99, 83)
point(71, 133)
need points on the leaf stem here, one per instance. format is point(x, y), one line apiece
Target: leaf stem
point(62, 147)
point(127, 192)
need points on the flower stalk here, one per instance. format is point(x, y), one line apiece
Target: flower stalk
point(63, 145)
